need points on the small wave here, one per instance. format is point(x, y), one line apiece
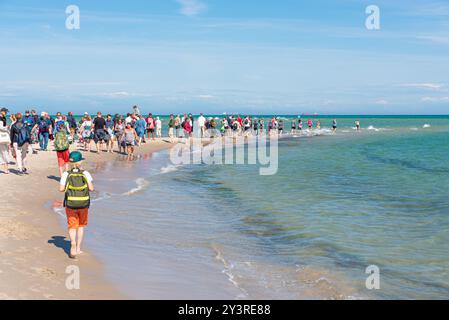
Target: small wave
point(426, 126)
point(322, 132)
point(59, 211)
point(414, 129)
point(169, 168)
point(372, 128)
point(141, 184)
point(102, 196)
point(228, 267)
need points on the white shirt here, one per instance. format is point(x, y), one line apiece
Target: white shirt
point(65, 175)
point(201, 121)
point(87, 124)
point(128, 120)
point(158, 124)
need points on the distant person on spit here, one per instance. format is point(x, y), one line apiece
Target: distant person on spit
point(77, 185)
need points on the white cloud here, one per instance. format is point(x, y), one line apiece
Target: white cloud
point(437, 39)
point(191, 8)
point(435, 99)
point(118, 94)
point(206, 96)
point(433, 86)
point(382, 102)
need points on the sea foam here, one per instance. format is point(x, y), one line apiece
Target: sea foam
point(141, 184)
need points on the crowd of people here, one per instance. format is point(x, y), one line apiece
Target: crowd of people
point(20, 133)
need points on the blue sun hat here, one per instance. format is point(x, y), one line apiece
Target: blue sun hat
point(76, 157)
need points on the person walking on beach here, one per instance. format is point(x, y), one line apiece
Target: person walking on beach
point(334, 125)
point(3, 113)
point(192, 123)
point(119, 130)
point(187, 126)
point(300, 125)
point(31, 124)
point(100, 132)
point(140, 127)
point(62, 147)
point(158, 127)
point(151, 124)
point(20, 142)
point(86, 132)
point(72, 125)
point(5, 140)
point(110, 123)
point(130, 137)
point(178, 126)
point(357, 125)
point(202, 126)
point(171, 128)
point(77, 185)
point(44, 127)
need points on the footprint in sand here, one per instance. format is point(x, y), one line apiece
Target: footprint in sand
point(46, 272)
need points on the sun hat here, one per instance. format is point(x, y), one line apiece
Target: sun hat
point(76, 157)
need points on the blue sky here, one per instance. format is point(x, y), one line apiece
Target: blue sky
point(214, 56)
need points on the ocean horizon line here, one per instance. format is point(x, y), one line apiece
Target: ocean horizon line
point(282, 115)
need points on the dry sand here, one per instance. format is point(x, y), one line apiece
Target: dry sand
point(33, 244)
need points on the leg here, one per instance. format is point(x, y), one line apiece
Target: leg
point(18, 153)
point(79, 239)
point(4, 157)
point(46, 138)
point(73, 248)
point(41, 141)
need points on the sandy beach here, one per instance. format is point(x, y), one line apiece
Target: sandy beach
point(34, 245)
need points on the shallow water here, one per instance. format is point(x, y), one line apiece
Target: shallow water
point(338, 204)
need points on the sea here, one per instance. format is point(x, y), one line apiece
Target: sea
point(340, 206)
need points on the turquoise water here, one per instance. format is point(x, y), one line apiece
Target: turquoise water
point(338, 204)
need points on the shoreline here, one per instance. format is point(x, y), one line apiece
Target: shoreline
point(33, 244)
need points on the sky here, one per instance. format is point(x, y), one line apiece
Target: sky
point(215, 56)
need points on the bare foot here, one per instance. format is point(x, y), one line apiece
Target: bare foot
point(73, 251)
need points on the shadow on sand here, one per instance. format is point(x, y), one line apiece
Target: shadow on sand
point(61, 243)
point(57, 179)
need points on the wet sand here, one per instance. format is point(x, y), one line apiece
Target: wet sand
point(33, 244)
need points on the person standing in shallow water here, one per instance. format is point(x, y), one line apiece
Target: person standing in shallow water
point(334, 125)
point(77, 185)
